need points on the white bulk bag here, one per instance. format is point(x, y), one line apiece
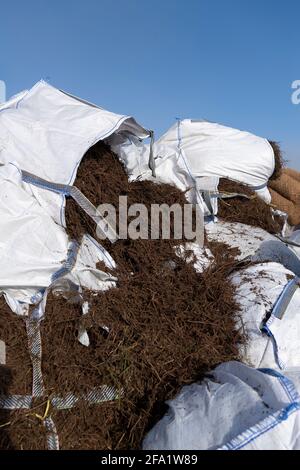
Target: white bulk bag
point(192, 154)
point(235, 408)
point(34, 249)
point(47, 132)
point(269, 299)
point(210, 149)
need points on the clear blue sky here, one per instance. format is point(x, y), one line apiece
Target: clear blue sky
point(231, 61)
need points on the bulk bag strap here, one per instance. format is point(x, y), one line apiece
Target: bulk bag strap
point(68, 190)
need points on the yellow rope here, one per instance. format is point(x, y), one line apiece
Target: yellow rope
point(42, 418)
point(5, 424)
